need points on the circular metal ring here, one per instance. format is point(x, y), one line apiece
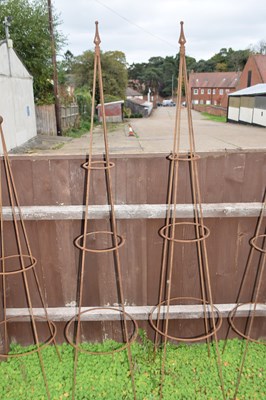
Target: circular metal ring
point(231, 317)
point(19, 271)
point(183, 157)
point(123, 347)
point(256, 246)
point(40, 347)
point(101, 165)
point(119, 244)
point(206, 232)
point(194, 339)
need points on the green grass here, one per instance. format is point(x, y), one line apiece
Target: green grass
point(78, 132)
point(190, 373)
point(85, 128)
point(215, 118)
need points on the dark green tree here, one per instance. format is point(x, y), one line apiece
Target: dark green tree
point(30, 33)
point(114, 71)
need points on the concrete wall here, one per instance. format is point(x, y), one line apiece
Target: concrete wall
point(144, 109)
point(16, 99)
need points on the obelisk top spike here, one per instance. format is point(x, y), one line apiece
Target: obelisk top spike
point(182, 39)
point(97, 39)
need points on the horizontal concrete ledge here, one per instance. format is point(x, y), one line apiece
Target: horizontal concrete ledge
point(136, 312)
point(134, 211)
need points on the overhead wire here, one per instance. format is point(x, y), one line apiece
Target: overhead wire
point(136, 25)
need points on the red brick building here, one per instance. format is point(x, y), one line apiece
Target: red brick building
point(113, 111)
point(254, 72)
point(212, 88)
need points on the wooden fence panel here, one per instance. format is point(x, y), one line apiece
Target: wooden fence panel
point(137, 180)
point(46, 120)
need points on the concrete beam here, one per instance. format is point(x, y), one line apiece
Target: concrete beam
point(134, 211)
point(137, 312)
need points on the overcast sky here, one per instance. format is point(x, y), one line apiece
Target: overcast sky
point(147, 28)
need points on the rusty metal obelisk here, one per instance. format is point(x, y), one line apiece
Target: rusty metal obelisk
point(98, 243)
point(255, 284)
point(18, 269)
point(183, 238)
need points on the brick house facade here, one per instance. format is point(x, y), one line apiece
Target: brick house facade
point(254, 72)
point(212, 88)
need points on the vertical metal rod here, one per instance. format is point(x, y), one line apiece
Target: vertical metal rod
point(113, 225)
point(24, 231)
point(55, 75)
point(247, 269)
point(250, 327)
point(3, 269)
point(98, 70)
point(24, 274)
point(83, 256)
point(168, 257)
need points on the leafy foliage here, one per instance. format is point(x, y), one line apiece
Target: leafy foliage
point(114, 72)
point(30, 33)
point(160, 74)
point(189, 374)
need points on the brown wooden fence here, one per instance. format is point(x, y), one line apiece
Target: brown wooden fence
point(51, 192)
point(46, 121)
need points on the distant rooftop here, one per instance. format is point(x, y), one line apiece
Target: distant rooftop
point(214, 79)
point(132, 92)
point(251, 90)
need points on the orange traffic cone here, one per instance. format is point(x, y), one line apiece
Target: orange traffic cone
point(130, 131)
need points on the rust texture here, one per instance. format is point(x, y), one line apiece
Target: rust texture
point(189, 236)
point(109, 239)
point(257, 256)
point(18, 267)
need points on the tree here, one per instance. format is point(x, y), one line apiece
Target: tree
point(30, 33)
point(114, 72)
point(259, 48)
point(115, 77)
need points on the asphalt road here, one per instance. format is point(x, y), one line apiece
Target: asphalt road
point(155, 135)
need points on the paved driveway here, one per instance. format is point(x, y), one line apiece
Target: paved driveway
point(155, 135)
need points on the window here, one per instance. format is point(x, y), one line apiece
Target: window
point(227, 90)
point(213, 91)
point(202, 91)
point(249, 78)
point(196, 91)
point(221, 91)
point(201, 101)
point(209, 91)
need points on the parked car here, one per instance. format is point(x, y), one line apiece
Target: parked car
point(168, 103)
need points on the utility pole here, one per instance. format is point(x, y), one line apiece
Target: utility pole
point(55, 77)
point(172, 86)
